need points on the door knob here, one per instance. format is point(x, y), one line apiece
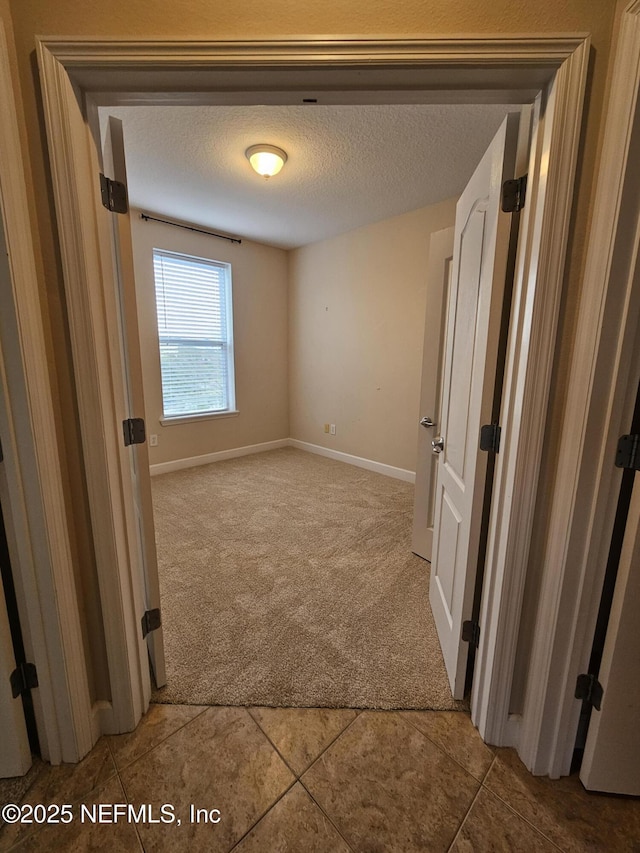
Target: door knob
point(438, 444)
point(427, 422)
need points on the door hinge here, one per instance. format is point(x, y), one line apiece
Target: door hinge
point(151, 621)
point(114, 195)
point(490, 437)
point(589, 689)
point(134, 431)
point(471, 632)
point(23, 678)
point(628, 452)
point(513, 194)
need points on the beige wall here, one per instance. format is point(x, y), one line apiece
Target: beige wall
point(354, 330)
point(202, 19)
point(259, 281)
point(357, 317)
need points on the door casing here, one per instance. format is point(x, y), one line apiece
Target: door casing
point(601, 389)
point(479, 70)
point(43, 569)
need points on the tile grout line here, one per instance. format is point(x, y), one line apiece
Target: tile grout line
point(521, 816)
point(318, 757)
point(487, 788)
point(313, 763)
point(483, 785)
point(262, 731)
point(321, 753)
point(263, 815)
point(124, 791)
point(324, 812)
point(467, 813)
point(298, 778)
point(337, 737)
point(453, 758)
point(159, 743)
point(462, 767)
point(235, 844)
point(38, 828)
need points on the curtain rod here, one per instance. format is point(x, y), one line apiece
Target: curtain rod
point(148, 218)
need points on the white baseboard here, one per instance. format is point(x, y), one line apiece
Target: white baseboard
point(247, 450)
point(511, 732)
point(103, 719)
point(358, 461)
point(195, 461)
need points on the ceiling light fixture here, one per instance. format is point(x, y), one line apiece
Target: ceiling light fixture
point(267, 160)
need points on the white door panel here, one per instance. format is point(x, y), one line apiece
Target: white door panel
point(449, 530)
point(115, 167)
point(481, 245)
point(611, 759)
point(438, 278)
point(15, 752)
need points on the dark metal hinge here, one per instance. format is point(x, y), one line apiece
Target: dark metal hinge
point(23, 678)
point(471, 632)
point(589, 689)
point(114, 195)
point(628, 452)
point(151, 621)
point(513, 194)
point(134, 431)
point(490, 437)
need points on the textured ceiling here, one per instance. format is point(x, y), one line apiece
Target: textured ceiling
point(348, 165)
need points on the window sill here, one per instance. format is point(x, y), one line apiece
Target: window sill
point(205, 416)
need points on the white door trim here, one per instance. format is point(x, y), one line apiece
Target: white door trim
point(44, 574)
point(87, 252)
point(488, 69)
point(597, 413)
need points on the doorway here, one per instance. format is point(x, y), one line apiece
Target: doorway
point(260, 339)
point(533, 343)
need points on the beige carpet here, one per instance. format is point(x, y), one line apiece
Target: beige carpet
point(287, 580)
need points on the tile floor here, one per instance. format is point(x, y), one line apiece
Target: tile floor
point(313, 781)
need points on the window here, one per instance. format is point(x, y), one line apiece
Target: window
point(193, 300)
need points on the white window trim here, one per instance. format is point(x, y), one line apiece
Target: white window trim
point(227, 343)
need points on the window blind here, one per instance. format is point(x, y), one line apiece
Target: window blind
point(193, 301)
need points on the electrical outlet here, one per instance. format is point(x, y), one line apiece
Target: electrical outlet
point(326, 428)
point(332, 429)
point(153, 441)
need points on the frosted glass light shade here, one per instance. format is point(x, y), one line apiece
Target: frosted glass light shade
point(267, 160)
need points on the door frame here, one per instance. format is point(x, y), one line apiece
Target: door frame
point(450, 69)
point(601, 389)
point(43, 565)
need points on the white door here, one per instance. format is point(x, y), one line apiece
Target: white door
point(15, 753)
point(611, 760)
point(481, 245)
point(438, 278)
point(114, 166)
